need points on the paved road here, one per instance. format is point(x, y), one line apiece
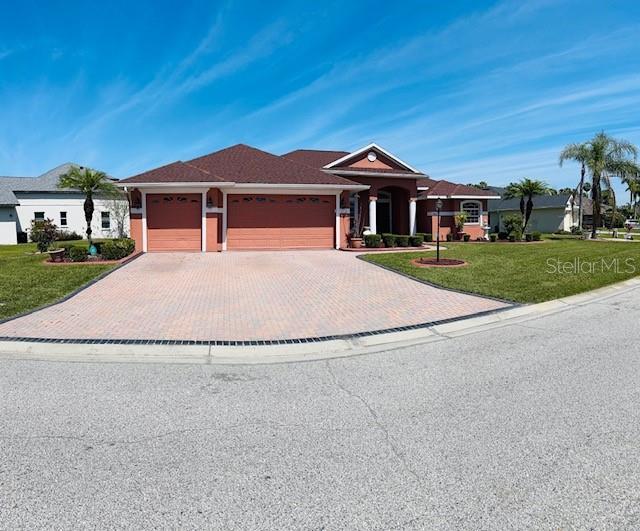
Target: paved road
point(534, 425)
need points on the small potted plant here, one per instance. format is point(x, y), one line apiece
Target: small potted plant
point(460, 219)
point(355, 236)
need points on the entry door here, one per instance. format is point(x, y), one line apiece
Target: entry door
point(174, 222)
point(383, 213)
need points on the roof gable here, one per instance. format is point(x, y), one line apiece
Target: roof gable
point(382, 160)
point(316, 158)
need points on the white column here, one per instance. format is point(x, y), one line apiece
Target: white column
point(144, 220)
point(204, 222)
point(224, 221)
point(412, 216)
point(338, 220)
point(373, 226)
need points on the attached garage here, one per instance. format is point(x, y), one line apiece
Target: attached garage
point(174, 222)
point(280, 221)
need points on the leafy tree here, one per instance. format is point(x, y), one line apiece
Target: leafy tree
point(603, 157)
point(89, 182)
point(43, 233)
point(526, 189)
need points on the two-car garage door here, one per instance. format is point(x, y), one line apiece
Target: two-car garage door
point(280, 221)
point(253, 221)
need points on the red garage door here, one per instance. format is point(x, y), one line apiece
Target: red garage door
point(280, 221)
point(173, 222)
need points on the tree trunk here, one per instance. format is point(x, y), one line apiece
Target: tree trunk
point(595, 197)
point(582, 172)
point(88, 214)
point(528, 211)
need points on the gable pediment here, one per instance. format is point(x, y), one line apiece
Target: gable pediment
point(371, 157)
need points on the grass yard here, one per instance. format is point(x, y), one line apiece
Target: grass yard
point(525, 273)
point(26, 283)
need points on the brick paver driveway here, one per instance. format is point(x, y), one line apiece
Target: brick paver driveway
point(245, 295)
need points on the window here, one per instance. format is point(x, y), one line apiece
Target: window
point(472, 209)
point(106, 220)
point(38, 216)
point(63, 219)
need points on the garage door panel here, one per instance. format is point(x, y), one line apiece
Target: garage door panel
point(280, 222)
point(174, 222)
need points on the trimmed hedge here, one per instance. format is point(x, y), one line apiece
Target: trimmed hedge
point(78, 253)
point(389, 240)
point(402, 241)
point(372, 240)
point(536, 235)
point(528, 237)
point(426, 236)
point(117, 249)
point(493, 237)
point(416, 241)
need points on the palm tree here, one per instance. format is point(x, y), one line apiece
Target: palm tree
point(526, 188)
point(89, 182)
point(633, 187)
point(604, 157)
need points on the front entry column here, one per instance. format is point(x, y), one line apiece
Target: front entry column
point(412, 216)
point(373, 203)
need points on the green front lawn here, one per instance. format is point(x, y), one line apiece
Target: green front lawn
point(27, 283)
point(534, 272)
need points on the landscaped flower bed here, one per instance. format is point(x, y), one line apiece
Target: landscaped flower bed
point(107, 251)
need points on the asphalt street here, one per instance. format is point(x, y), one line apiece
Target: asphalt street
point(532, 425)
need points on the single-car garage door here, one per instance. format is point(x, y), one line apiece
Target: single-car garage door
point(280, 221)
point(173, 222)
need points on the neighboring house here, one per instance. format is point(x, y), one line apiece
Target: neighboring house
point(550, 212)
point(24, 199)
point(244, 198)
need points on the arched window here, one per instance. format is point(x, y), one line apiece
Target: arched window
point(473, 209)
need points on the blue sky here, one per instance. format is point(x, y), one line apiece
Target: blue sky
point(466, 91)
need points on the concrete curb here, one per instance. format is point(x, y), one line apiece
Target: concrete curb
point(268, 354)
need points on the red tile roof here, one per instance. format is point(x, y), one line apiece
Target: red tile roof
point(315, 158)
point(241, 164)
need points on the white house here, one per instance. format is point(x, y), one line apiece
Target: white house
point(24, 199)
point(551, 213)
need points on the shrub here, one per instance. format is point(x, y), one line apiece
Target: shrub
point(372, 240)
point(116, 249)
point(416, 241)
point(562, 232)
point(576, 230)
point(528, 237)
point(512, 223)
point(460, 219)
point(466, 237)
point(22, 237)
point(503, 235)
point(389, 240)
point(515, 236)
point(78, 253)
point(402, 241)
point(426, 236)
point(536, 235)
point(43, 233)
point(449, 237)
point(65, 235)
point(493, 237)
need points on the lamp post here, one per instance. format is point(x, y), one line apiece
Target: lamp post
point(438, 208)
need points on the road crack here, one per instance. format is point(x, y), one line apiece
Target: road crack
point(379, 424)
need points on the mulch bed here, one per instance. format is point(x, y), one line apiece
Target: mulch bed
point(92, 261)
point(433, 262)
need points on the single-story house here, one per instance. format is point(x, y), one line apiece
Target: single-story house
point(25, 199)
point(244, 198)
point(550, 212)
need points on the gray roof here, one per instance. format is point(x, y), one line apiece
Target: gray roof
point(539, 201)
point(47, 182)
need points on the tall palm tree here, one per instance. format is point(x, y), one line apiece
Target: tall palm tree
point(89, 182)
point(604, 157)
point(526, 188)
point(633, 187)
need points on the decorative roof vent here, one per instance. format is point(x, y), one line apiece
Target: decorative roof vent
point(371, 156)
